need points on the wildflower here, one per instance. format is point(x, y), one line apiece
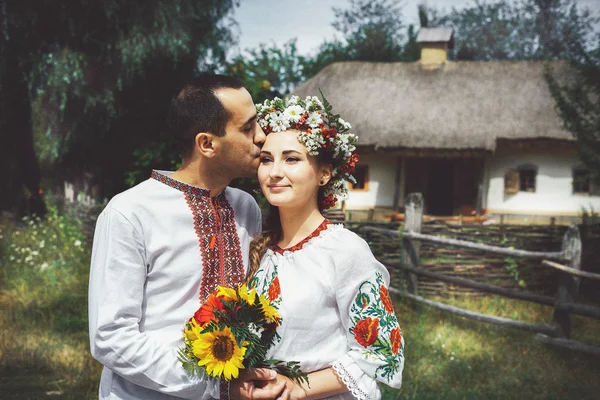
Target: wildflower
point(77, 243)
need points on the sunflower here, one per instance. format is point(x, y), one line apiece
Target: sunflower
point(192, 330)
point(227, 294)
point(249, 296)
point(219, 353)
point(269, 311)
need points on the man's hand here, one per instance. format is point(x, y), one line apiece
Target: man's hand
point(258, 384)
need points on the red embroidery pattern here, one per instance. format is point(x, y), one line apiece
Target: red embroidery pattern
point(224, 390)
point(214, 223)
point(303, 242)
point(274, 290)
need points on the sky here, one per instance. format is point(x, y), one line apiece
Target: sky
point(278, 21)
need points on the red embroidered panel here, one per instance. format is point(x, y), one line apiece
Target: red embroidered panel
point(301, 244)
point(214, 223)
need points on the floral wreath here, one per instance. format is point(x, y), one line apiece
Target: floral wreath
point(321, 130)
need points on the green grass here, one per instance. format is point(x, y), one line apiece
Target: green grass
point(449, 357)
point(44, 350)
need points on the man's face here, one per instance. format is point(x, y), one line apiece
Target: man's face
point(240, 147)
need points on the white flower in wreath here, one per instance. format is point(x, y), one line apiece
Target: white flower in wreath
point(345, 124)
point(337, 188)
point(314, 119)
point(293, 100)
point(313, 142)
point(279, 122)
point(315, 101)
point(263, 123)
point(294, 113)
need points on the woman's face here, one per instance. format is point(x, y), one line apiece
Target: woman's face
point(288, 175)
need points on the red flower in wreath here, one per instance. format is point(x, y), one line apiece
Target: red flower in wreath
point(396, 338)
point(366, 330)
point(206, 312)
point(386, 300)
point(274, 289)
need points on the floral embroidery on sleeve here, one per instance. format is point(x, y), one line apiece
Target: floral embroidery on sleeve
point(266, 281)
point(375, 327)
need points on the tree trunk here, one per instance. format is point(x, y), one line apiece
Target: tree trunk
point(20, 186)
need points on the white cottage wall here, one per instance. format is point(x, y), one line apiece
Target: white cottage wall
point(554, 190)
point(380, 193)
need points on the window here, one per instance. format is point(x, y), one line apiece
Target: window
point(520, 179)
point(527, 180)
point(582, 181)
point(361, 174)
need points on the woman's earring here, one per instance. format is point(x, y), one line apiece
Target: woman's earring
point(321, 183)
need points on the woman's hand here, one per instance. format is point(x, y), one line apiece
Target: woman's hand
point(321, 384)
point(258, 384)
point(296, 391)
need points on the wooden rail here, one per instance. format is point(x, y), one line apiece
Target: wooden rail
point(558, 333)
point(572, 271)
point(538, 328)
point(573, 308)
point(471, 245)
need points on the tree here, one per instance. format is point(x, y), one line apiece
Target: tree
point(372, 32)
point(529, 30)
point(269, 71)
point(372, 29)
point(328, 53)
point(100, 75)
point(578, 103)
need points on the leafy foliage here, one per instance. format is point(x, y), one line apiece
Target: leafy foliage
point(99, 75)
point(578, 105)
point(526, 30)
point(269, 71)
point(372, 29)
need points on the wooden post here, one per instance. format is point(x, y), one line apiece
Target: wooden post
point(371, 214)
point(413, 209)
point(568, 285)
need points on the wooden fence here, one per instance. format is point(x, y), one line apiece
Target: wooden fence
point(557, 333)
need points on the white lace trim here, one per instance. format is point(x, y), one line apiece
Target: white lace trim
point(286, 253)
point(349, 381)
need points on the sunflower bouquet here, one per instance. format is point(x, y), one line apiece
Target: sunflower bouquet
point(233, 330)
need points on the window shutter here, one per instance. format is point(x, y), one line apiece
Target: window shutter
point(511, 181)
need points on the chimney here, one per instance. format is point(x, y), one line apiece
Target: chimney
point(435, 43)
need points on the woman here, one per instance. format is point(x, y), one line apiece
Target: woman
point(337, 316)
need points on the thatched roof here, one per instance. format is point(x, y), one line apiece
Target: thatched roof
point(465, 105)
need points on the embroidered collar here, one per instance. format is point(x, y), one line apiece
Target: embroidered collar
point(324, 225)
point(181, 186)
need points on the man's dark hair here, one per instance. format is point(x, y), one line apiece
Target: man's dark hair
point(195, 109)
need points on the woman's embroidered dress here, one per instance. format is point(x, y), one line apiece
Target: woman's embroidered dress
point(333, 297)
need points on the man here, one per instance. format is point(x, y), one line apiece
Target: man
point(161, 247)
